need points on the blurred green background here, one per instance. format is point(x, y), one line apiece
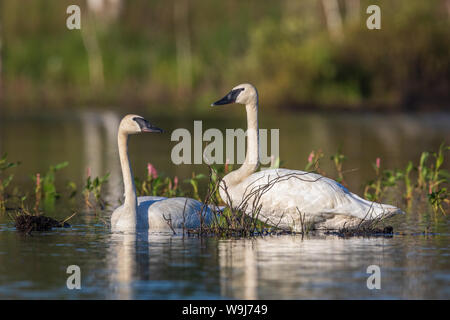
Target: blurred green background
point(181, 55)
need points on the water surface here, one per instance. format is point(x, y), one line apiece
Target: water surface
point(166, 266)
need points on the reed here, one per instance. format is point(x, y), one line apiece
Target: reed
point(93, 189)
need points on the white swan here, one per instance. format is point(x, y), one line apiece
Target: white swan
point(146, 213)
point(290, 198)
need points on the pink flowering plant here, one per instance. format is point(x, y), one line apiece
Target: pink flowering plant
point(155, 184)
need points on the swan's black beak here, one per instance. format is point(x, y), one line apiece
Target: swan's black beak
point(147, 126)
point(229, 98)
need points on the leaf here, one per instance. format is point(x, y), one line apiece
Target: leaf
point(423, 158)
point(439, 160)
point(444, 174)
point(61, 165)
point(200, 176)
point(104, 178)
point(409, 167)
point(7, 181)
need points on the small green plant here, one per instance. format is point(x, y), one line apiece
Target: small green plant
point(372, 190)
point(375, 189)
point(156, 185)
point(408, 184)
point(94, 187)
point(338, 160)
point(37, 193)
point(431, 180)
point(152, 184)
point(217, 172)
point(314, 161)
point(193, 181)
point(5, 180)
point(438, 198)
point(72, 189)
point(437, 175)
point(46, 187)
point(173, 189)
point(430, 177)
point(423, 171)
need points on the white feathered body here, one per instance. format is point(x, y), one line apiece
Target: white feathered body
point(289, 198)
point(153, 213)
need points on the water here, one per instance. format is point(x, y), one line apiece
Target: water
point(163, 266)
point(166, 266)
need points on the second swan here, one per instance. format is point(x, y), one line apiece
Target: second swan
point(290, 198)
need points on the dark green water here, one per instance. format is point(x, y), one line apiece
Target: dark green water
point(152, 266)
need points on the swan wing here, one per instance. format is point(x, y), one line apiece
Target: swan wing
point(283, 193)
point(179, 211)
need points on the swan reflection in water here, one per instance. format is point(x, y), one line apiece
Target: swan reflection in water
point(165, 266)
point(161, 265)
point(288, 268)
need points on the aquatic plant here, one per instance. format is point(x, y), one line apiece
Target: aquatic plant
point(314, 161)
point(240, 220)
point(26, 222)
point(305, 227)
point(408, 184)
point(435, 178)
point(93, 187)
point(438, 198)
point(438, 176)
point(338, 160)
point(157, 185)
point(45, 187)
point(5, 181)
point(431, 180)
point(37, 193)
point(193, 181)
point(427, 181)
point(374, 185)
point(375, 189)
point(72, 189)
point(216, 173)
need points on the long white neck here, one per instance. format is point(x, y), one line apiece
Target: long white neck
point(251, 162)
point(128, 181)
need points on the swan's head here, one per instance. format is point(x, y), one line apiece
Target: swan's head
point(243, 94)
point(132, 124)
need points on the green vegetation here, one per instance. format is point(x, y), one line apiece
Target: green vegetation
point(232, 221)
point(47, 184)
point(5, 180)
point(425, 182)
point(155, 185)
point(338, 160)
point(431, 180)
point(94, 187)
point(159, 54)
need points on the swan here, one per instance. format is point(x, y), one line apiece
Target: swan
point(290, 199)
point(145, 213)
